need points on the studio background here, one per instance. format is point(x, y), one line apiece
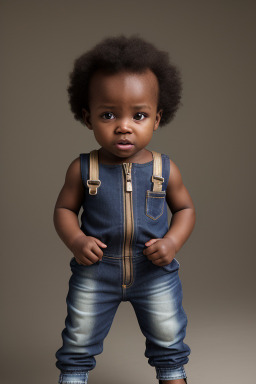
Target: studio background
point(211, 139)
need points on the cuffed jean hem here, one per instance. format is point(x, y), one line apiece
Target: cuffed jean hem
point(170, 374)
point(73, 378)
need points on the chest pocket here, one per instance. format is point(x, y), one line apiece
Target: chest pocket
point(155, 199)
point(155, 204)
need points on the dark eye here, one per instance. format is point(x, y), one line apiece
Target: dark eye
point(139, 116)
point(107, 116)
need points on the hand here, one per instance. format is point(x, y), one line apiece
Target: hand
point(160, 251)
point(86, 249)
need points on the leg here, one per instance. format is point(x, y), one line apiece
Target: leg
point(158, 307)
point(91, 304)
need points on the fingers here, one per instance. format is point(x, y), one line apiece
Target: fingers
point(97, 250)
point(160, 262)
point(91, 252)
point(155, 257)
point(151, 249)
point(158, 259)
point(100, 243)
point(91, 258)
point(150, 242)
point(152, 253)
point(157, 252)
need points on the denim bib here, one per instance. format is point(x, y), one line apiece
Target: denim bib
point(125, 220)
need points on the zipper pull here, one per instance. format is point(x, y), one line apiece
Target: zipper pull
point(128, 176)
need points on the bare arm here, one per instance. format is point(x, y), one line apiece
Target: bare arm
point(68, 205)
point(162, 251)
point(85, 248)
point(182, 208)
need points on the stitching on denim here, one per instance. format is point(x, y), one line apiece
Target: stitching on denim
point(132, 279)
point(173, 378)
point(155, 197)
point(131, 241)
point(153, 218)
point(182, 374)
point(149, 196)
point(74, 373)
point(170, 369)
point(112, 257)
point(72, 382)
point(149, 193)
point(63, 379)
point(128, 198)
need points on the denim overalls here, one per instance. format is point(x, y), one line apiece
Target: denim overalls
point(124, 206)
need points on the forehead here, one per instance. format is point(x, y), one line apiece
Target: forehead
point(124, 87)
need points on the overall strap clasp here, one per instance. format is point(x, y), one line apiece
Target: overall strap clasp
point(157, 178)
point(93, 183)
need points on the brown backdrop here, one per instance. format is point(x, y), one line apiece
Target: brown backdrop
point(212, 140)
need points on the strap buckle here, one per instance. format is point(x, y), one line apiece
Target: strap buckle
point(157, 183)
point(157, 179)
point(93, 185)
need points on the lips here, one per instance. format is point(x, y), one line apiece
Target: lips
point(124, 145)
point(124, 142)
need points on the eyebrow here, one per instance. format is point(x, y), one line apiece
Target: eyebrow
point(135, 107)
point(142, 106)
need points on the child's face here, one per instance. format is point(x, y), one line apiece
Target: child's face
point(123, 106)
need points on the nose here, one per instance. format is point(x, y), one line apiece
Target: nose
point(123, 126)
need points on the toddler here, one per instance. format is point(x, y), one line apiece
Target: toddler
point(124, 250)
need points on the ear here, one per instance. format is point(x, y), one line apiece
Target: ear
point(87, 118)
point(158, 118)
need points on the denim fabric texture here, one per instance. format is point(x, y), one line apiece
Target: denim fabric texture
point(95, 291)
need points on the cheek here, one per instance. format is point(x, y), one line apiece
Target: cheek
point(101, 132)
point(146, 135)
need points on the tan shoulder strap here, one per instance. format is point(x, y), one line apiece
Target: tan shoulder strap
point(157, 178)
point(93, 183)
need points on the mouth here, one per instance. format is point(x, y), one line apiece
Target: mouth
point(124, 144)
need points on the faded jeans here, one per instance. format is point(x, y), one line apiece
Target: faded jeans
point(95, 292)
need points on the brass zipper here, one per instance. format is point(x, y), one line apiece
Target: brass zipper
point(128, 226)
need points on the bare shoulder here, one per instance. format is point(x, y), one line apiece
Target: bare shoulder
point(175, 178)
point(73, 174)
point(71, 194)
point(177, 195)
